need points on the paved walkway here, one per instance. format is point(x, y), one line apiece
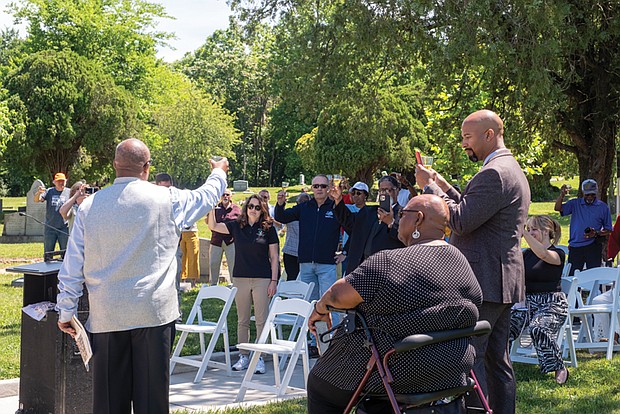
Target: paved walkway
point(215, 391)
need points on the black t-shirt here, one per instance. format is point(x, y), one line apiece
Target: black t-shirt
point(540, 276)
point(252, 249)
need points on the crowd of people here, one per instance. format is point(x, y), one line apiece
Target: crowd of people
point(399, 267)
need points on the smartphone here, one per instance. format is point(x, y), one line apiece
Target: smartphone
point(384, 202)
point(418, 157)
point(91, 190)
point(322, 341)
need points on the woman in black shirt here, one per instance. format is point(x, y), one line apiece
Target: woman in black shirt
point(545, 304)
point(256, 268)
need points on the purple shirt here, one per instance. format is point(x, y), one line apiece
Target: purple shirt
point(595, 215)
point(224, 215)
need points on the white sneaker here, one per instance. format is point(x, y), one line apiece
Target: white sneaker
point(260, 367)
point(242, 363)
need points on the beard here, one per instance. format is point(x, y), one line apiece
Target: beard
point(473, 157)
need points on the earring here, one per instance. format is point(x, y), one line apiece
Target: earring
point(415, 234)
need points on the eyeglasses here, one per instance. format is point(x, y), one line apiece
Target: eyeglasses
point(148, 163)
point(323, 186)
point(357, 192)
point(254, 207)
point(401, 211)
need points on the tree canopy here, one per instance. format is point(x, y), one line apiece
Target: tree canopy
point(70, 109)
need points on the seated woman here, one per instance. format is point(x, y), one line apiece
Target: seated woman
point(545, 304)
point(424, 287)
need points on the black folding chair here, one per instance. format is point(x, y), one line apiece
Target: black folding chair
point(416, 402)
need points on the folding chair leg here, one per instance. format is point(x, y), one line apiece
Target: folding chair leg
point(306, 363)
point(276, 369)
point(287, 375)
point(227, 351)
point(248, 377)
point(206, 358)
point(177, 350)
point(568, 333)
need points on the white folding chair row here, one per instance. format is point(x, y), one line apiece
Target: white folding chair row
point(201, 324)
point(270, 343)
point(522, 349)
point(592, 280)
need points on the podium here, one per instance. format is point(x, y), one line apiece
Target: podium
point(53, 378)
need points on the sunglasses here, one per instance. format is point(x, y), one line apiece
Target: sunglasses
point(148, 163)
point(357, 192)
point(226, 195)
point(254, 207)
point(401, 211)
point(323, 186)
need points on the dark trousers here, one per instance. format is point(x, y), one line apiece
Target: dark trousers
point(132, 366)
point(492, 366)
point(590, 255)
point(51, 236)
point(324, 398)
point(291, 266)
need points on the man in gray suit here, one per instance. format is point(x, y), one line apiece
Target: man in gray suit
point(486, 223)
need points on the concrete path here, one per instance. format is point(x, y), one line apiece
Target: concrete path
point(215, 391)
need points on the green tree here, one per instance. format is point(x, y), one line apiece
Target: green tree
point(190, 128)
point(71, 112)
point(119, 35)
point(236, 71)
point(358, 137)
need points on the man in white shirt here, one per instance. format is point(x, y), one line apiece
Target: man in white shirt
point(123, 248)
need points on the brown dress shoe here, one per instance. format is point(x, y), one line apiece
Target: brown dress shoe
point(561, 375)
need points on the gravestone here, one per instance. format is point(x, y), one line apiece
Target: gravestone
point(36, 210)
point(240, 185)
point(205, 250)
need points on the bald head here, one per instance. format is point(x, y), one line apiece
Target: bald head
point(482, 133)
point(132, 159)
point(485, 119)
point(436, 212)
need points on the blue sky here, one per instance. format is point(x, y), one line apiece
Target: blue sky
point(195, 20)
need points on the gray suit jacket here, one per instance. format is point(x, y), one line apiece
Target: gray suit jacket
point(486, 222)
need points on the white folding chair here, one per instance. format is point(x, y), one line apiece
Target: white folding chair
point(270, 343)
point(290, 289)
point(592, 280)
point(199, 324)
point(522, 349)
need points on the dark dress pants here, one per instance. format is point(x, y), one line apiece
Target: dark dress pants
point(493, 367)
point(590, 255)
point(132, 366)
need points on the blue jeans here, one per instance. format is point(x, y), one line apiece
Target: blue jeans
point(323, 276)
point(50, 236)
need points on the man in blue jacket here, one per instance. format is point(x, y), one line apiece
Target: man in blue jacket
point(319, 233)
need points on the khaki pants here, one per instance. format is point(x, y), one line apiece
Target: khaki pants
point(251, 290)
point(215, 260)
point(190, 247)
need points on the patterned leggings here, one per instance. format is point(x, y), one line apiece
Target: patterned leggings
point(546, 313)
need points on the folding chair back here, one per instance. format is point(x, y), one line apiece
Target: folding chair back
point(197, 323)
point(592, 280)
point(270, 343)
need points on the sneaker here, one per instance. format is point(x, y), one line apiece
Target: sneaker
point(260, 367)
point(242, 364)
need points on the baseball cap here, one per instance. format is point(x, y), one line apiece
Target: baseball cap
point(59, 176)
point(360, 186)
point(589, 187)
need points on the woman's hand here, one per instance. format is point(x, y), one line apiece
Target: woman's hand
point(272, 289)
point(316, 317)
